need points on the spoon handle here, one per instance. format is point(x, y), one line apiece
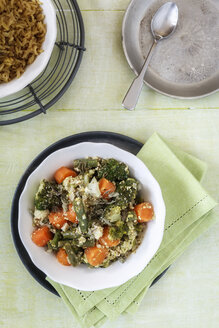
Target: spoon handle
point(133, 93)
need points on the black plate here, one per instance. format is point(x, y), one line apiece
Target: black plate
point(121, 141)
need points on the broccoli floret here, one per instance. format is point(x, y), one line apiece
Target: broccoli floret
point(112, 214)
point(49, 196)
point(127, 192)
point(139, 227)
point(118, 230)
point(131, 217)
point(85, 164)
point(113, 170)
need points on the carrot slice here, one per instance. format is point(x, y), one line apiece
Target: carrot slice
point(144, 212)
point(62, 257)
point(62, 173)
point(71, 215)
point(41, 236)
point(57, 219)
point(106, 241)
point(96, 255)
point(106, 187)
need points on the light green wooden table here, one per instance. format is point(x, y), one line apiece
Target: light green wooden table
point(187, 296)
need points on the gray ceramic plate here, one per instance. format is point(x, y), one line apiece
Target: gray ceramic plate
point(187, 64)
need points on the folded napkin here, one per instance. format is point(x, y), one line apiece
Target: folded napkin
point(188, 214)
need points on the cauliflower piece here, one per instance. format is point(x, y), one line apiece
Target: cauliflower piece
point(93, 188)
point(96, 231)
point(70, 184)
point(40, 214)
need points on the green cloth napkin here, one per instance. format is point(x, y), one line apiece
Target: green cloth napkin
point(188, 214)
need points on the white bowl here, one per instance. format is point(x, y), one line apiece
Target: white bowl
point(82, 277)
point(33, 70)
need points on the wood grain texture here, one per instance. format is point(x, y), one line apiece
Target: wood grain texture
point(93, 102)
point(192, 280)
point(105, 76)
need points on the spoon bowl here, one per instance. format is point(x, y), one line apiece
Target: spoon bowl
point(164, 21)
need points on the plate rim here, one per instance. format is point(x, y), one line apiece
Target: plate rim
point(136, 73)
point(100, 136)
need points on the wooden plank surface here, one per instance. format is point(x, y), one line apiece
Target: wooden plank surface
point(188, 294)
point(190, 284)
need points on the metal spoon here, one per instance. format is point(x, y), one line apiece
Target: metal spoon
point(163, 24)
